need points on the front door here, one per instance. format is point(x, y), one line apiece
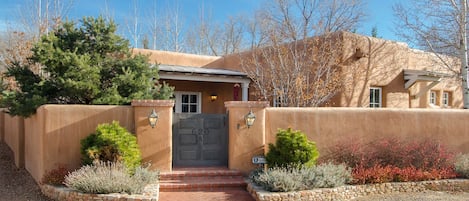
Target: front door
point(200, 140)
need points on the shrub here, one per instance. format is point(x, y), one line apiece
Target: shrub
point(291, 148)
point(461, 165)
point(328, 175)
point(348, 152)
point(426, 154)
point(111, 142)
point(284, 179)
point(381, 174)
point(56, 176)
point(375, 174)
point(110, 177)
point(393, 160)
point(281, 179)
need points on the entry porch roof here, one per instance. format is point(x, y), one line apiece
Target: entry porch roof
point(172, 72)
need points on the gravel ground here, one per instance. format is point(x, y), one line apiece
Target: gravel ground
point(16, 184)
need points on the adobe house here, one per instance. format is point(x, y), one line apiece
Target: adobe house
point(383, 73)
point(374, 73)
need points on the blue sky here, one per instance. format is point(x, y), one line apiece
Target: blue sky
point(379, 11)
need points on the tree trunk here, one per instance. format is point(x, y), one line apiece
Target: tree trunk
point(463, 49)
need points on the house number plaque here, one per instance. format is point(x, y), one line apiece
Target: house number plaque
point(259, 160)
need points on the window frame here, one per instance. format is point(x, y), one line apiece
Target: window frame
point(380, 99)
point(433, 98)
point(178, 101)
point(445, 98)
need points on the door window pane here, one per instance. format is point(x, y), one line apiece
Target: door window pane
point(193, 108)
point(193, 99)
point(184, 108)
point(185, 98)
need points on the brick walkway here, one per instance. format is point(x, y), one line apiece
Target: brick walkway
point(226, 195)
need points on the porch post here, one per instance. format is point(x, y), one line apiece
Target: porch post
point(155, 143)
point(245, 88)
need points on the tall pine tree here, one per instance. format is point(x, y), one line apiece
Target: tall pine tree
point(84, 64)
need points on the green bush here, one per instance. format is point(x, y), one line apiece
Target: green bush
point(111, 142)
point(461, 165)
point(285, 179)
point(110, 177)
point(292, 148)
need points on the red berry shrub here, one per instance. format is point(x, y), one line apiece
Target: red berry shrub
point(369, 175)
point(388, 160)
point(56, 176)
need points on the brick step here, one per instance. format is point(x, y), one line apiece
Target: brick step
point(199, 173)
point(201, 179)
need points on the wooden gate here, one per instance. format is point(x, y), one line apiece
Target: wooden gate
point(200, 140)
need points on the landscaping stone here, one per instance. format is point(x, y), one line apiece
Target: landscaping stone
point(357, 191)
point(151, 193)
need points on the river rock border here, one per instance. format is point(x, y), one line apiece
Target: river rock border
point(354, 191)
point(150, 193)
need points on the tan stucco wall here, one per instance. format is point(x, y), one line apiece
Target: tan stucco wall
point(53, 134)
point(327, 126)
point(2, 126)
point(244, 142)
point(224, 92)
point(14, 137)
point(176, 58)
point(155, 143)
point(381, 66)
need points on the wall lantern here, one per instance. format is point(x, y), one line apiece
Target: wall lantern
point(213, 97)
point(250, 118)
point(153, 118)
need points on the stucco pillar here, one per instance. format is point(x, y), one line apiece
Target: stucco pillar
point(245, 90)
point(155, 143)
point(244, 142)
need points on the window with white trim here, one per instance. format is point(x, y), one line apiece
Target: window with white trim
point(188, 102)
point(433, 97)
point(375, 97)
point(445, 99)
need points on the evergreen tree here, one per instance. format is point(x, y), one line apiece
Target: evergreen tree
point(85, 64)
point(374, 31)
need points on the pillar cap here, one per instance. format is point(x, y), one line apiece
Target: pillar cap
point(247, 104)
point(152, 103)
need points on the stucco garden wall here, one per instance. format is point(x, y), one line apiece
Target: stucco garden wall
point(53, 134)
point(327, 126)
point(13, 135)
